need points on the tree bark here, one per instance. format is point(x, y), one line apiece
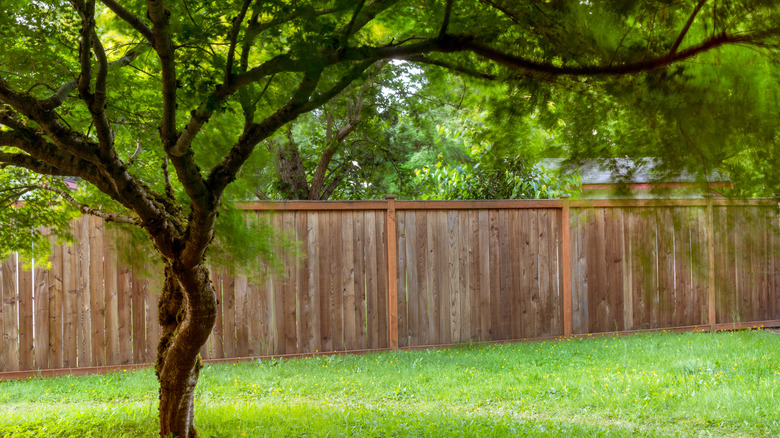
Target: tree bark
point(187, 312)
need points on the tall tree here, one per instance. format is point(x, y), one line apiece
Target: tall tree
point(200, 84)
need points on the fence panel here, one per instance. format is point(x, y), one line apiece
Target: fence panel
point(464, 271)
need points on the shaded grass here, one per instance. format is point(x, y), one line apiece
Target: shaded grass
point(651, 385)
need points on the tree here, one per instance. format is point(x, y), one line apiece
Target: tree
point(195, 86)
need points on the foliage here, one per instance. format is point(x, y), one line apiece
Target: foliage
point(648, 385)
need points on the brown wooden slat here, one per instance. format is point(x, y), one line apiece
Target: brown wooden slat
point(474, 275)
point(372, 316)
point(229, 314)
point(505, 252)
point(110, 297)
point(152, 294)
point(432, 309)
point(138, 318)
point(382, 281)
point(391, 243)
point(83, 295)
point(464, 289)
point(70, 307)
point(242, 316)
point(326, 252)
point(442, 275)
point(336, 289)
point(314, 255)
point(26, 309)
point(359, 252)
point(545, 266)
point(56, 295)
point(10, 311)
point(412, 277)
point(348, 279)
point(97, 306)
point(421, 290)
point(484, 275)
point(401, 275)
point(42, 318)
point(455, 290)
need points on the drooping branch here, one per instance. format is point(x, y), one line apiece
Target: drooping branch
point(83, 208)
point(237, 21)
point(446, 21)
point(28, 162)
point(422, 59)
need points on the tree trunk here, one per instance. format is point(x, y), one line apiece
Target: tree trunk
point(187, 314)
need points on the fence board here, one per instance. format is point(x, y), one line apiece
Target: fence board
point(454, 289)
point(242, 316)
point(26, 309)
point(70, 304)
point(403, 307)
point(111, 278)
point(96, 294)
point(55, 316)
point(41, 315)
point(372, 318)
point(465, 292)
point(359, 256)
point(10, 312)
point(382, 283)
point(82, 295)
point(336, 288)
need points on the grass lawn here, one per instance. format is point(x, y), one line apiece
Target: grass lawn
point(649, 385)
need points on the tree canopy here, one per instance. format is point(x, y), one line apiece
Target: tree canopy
point(162, 109)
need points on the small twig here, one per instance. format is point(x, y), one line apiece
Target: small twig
point(446, 20)
point(687, 26)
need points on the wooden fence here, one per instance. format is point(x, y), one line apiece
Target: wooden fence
point(453, 272)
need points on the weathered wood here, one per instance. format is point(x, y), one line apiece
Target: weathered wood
point(432, 309)
point(110, 297)
point(505, 255)
point(372, 294)
point(83, 295)
point(412, 277)
point(152, 294)
point(290, 333)
point(566, 264)
point(56, 295)
point(442, 279)
point(70, 307)
point(421, 260)
point(228, 314)
point(336, 288)
point(242, 316)
point(303, 309)
point(455, 290)
point(42, 317)
point(484, 275)
point(382, 281)
point(348, 279)
point(10, 311)
point(464, 289)
point(402, 308)
point(359, 257)
point(391, 243)
point(26, 309)
point(314, 255)
point(97, 306)
point(326, 332)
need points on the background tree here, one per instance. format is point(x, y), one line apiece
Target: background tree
point(158, 105)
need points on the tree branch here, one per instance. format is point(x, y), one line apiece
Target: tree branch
point(446, 21)
point(130, 19)
point(85, 209)
point(422, 59)
point(687, 26)
point(163, 45)
point(234, 40)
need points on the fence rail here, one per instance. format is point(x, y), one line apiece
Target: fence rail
point(385, 274)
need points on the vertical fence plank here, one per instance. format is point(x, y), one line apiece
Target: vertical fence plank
point(336, 286)
point(242, 316)
point(97, 307)
point(138, 319)
point(505, 255)
point(111, 278)
point(10, 312)
point(442, 278)
point(303, 309)
point(464, 250)
point(401, 272)
point(372, 318)
point(483, 270)
point(431, 270)
point(314, 255)
point(348, 279)
point(454, 286)
point(412, 277)
point(26, 309)
point(359, 251)
point(326, 251)
point(42, 317)
point(124, 296)
point(56, 294)
point(152, 293)
point(82, 296)
point(421, 248)
point(391, 243)
point(70, 306)
point(229, 314)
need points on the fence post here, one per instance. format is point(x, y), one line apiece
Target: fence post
point(392, 275)
point(566, 266)
point(711, 312)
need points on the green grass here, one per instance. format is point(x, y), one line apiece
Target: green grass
point(650, 385)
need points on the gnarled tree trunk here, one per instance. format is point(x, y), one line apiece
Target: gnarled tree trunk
point(187, 313)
